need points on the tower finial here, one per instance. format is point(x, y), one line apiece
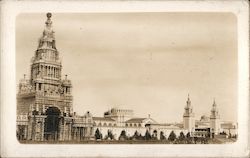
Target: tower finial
point(188, 97)
point(49, 15)
point(188, 101)
point(214, 104)
point(48, 22)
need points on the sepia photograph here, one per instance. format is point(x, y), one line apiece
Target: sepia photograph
point(127, 78)
point(121, 79)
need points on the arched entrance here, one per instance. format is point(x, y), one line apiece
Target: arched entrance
point(51, 126)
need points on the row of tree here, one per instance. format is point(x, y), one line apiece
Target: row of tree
point(147, 136)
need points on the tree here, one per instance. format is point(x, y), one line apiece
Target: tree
point(110, 135)
point(172, 136)
point(188, 138)
point(98, 134)
point(147, 135)
point(181, 136)
point(123, 135)
point(154, 135)
point(162, 137)
point(136, 135)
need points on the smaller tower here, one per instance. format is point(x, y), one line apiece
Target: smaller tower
point(214, 120)
point(188, 117)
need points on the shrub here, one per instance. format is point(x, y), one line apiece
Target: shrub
point(172, 136)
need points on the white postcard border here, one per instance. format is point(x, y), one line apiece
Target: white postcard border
point(10, 147)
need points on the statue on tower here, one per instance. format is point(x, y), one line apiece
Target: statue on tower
point(48, 39)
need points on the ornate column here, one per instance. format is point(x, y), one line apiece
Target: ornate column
point(49, 71)
point(46, 71)
point(61, 129)
point(54, 72)
point(36, 86)
point(69, 131)
point(29, 134)
point(79, 134)
point(42, 128)
point(41, 70)
point(25, 132)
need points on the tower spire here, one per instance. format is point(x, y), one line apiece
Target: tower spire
point(47, 40)
point(188, 116)
point(214, 103)
point(214, 119)
point(188, 101)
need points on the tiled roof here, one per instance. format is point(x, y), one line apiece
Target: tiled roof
point(135, 120)
point(103, 119)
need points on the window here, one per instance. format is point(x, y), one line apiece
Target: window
point(40, 86)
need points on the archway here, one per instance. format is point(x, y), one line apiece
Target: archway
point(51, 128)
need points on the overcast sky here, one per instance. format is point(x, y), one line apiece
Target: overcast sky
point(147, 62)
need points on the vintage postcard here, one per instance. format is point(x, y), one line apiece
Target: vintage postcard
point(97, 79)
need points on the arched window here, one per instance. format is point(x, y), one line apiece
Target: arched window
point(114, 124)
point(135, 125)
point(104, 124)
point(139, 125)
point(126, 125)
point(110, 124)
point(100, 124)
point(130, 125)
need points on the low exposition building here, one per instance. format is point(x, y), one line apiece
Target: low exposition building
point(45, 106)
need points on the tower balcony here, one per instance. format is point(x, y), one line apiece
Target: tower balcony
point(188, 115)
point(56, 62)
point(42, 94)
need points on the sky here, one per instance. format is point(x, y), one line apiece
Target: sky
point(147, 62)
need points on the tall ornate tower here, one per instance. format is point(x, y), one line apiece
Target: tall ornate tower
point(45, 87)
point(46, 97)
point(188, 117)
point(215, 119)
